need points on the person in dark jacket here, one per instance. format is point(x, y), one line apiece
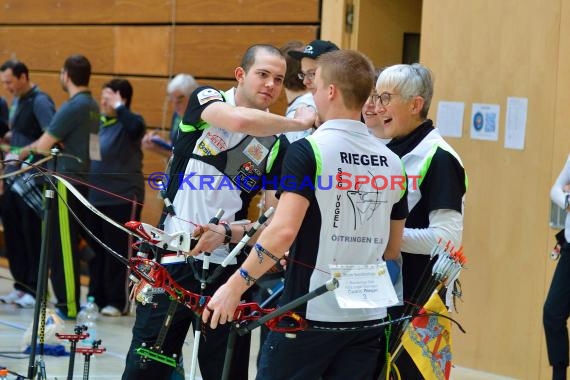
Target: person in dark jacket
point(31, 112)
point(117, 191)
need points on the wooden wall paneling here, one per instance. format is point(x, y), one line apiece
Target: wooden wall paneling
point(47, 47)
point(148, 99)
point(84, 12)
point(506, 236)
point(142, 50)
point(333, 25)
point(215, 51)
point(381, 26)
point(247, 11)
point(158, 11)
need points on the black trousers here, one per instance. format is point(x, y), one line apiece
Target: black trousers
point(557, 310)
point(315, 355)
point(23, 239)
point(63, 250)
point(211, 353)
point(108, 278)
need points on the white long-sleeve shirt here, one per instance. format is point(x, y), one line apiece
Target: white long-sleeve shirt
point(558, 195)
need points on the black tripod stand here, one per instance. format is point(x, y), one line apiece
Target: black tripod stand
point(38, 327)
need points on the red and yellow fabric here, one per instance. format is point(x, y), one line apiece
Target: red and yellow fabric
point(428, 340)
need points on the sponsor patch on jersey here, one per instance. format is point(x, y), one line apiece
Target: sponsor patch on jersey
point(256, 151)
point(217, 141)
point(249, 176)
point(207, 95)
point(205, 149)
point(249, 169)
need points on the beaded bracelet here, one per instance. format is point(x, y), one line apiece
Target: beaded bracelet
point(261, 251)
point(248, 279)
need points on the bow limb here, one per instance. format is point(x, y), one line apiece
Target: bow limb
point(27, 168)
point(92, 208)
point(179, 241)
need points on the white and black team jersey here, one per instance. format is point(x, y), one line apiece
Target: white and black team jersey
point(440, 184)
point(355, 186)
point(207, 160)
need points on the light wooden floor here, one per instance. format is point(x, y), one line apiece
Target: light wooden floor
point(115, 334)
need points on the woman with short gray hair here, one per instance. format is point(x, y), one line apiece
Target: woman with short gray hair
point(436, 178)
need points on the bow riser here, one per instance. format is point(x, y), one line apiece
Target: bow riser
point(245, 312)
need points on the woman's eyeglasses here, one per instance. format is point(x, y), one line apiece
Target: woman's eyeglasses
point(310, 75)
point(384, 98)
